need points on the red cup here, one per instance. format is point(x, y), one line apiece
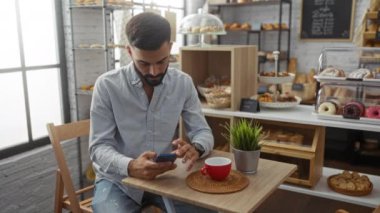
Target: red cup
point(218, 168)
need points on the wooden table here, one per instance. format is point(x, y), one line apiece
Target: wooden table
point(172, 185)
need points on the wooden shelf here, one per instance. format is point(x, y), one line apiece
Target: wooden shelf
point(84, 92)
point(321, 189)
point(236, 62)
point(371, 15)
point(307, 154)
point(369, 35)
point(302, 114)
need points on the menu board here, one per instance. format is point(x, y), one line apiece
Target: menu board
point(327, 19)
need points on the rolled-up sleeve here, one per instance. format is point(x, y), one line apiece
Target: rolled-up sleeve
point(195, 123)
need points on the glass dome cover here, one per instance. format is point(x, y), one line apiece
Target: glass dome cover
point(201, 24)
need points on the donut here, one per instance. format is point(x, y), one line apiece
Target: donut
point(332, 72)
point(327, 108)
point(361, 73)
point(354, 110)
point(373, 112)
point(337, 104)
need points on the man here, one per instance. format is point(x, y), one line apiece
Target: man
point(134, 114)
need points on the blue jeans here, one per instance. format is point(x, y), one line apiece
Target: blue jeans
point(109, 198)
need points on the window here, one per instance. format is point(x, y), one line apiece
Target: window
point(31, 73)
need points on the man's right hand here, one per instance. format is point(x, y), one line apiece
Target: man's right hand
point(145, 168)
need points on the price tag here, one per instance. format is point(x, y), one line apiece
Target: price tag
point(249, 105)
point(351, 117)
point(297, 87)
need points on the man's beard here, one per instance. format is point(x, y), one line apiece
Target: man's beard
point(152, 80)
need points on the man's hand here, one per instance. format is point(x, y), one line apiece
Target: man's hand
point(145, 168)
point(186, 151)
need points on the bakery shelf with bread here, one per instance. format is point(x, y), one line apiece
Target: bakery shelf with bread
point(301, 145)
point(108, 4)
point(253, 28)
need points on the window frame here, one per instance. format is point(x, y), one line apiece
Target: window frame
point(61, 66)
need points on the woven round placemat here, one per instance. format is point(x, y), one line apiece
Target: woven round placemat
point(236, 181)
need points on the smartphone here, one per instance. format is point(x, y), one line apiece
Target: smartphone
point(166, 157)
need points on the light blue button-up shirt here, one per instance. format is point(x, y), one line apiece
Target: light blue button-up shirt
point(124, 124)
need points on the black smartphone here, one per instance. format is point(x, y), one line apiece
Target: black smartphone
point(166, 157)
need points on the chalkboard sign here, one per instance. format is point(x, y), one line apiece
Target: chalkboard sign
point(327, 19)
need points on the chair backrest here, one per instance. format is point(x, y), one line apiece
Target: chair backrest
point(57, 135)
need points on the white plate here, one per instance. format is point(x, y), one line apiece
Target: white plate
point(363, 120)
point(276, 80)
point(281, 105)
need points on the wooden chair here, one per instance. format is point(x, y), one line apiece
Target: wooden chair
point(64, 182)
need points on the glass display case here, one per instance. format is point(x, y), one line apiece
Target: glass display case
point(349, 85)
point(202, 24)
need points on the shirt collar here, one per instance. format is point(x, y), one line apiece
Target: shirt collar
point(135, 78)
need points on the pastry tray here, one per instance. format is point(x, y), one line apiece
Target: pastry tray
point(348, 192)
point(281, 105)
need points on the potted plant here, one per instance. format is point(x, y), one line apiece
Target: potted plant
point(245, 138)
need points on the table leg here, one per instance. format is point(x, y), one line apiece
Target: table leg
point(168, 205)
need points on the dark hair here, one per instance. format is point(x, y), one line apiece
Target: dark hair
point(148, 31)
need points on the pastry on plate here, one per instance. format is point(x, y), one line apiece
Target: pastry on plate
point(350, 183)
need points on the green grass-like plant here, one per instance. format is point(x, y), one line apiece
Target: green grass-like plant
point(245, 135)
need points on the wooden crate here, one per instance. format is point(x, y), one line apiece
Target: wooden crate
point(237, 62)
point(308, 157)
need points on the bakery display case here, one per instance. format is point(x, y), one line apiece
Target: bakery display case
point(201, 24)
point(349, 88)
point(302, 145)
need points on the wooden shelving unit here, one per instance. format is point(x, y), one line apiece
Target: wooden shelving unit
point(369, 35)
point(236, 62)
point(307, 155)
point(303, 116)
